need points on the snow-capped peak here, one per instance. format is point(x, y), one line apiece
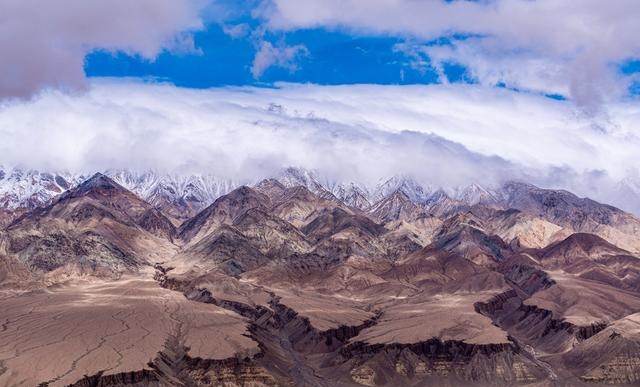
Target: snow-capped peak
point(408, 186)
point(474, 194)
point(30, 188)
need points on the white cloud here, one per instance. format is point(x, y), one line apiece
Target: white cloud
point(237, 31)
point(445, 135)
point(281, 55)
point(550, 46)
point(44, 43)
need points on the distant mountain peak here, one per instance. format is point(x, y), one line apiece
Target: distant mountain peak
point(270, 183)
point(97, 184)
point(100, 180)
point(405, 184)
point(270, 187)
point(397, 206)
point(474, 194)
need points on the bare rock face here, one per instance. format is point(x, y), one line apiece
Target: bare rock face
point(580, 214)
point(522, 230)
point(15, 276)
point(271, 187)
point(88, 252)
point(272, 235)
point(299, 206)
point(153, 221)
point(559, 206)
point(455, 362)
point(332, 222)
point(226, 249)
point(295, 283)
point(579, 246)
point(465, 234)
point(397, 206)
point(610, 357)
point(172, 366)
point(98, 227)
point(222, 211)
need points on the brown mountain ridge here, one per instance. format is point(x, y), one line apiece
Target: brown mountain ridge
point(275, 285)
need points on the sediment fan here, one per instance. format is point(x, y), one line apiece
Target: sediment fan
point(118, 281)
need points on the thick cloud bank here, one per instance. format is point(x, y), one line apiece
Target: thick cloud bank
point(44, 43)
point(443, 135)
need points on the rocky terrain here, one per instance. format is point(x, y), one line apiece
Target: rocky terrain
point(124, 279)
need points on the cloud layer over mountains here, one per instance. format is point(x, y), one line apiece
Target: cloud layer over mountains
point(442, 135)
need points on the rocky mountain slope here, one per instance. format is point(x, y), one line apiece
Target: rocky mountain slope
point(178, 196)
point(124, 279)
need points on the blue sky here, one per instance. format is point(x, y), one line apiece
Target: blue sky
point(333, 57)
point(586, 53)
point(331, 52)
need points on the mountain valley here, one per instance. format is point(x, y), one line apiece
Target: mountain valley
point(124, 279)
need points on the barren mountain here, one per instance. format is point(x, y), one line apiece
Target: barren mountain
point(97, 227)
point(179, 197)
point(294, 282)
point(397, 206)
point(579, 214)
point(527, 231)
point(223, 211)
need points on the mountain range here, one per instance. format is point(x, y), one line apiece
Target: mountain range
point(146, 279)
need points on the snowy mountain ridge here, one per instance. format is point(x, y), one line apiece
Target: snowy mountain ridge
point(183, 196)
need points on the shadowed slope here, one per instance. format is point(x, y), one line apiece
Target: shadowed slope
point(223, 211)
point(98, 227)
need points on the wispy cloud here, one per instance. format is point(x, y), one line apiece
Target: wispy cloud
point(280, 55)
point(443, 135)
point(237, 31)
